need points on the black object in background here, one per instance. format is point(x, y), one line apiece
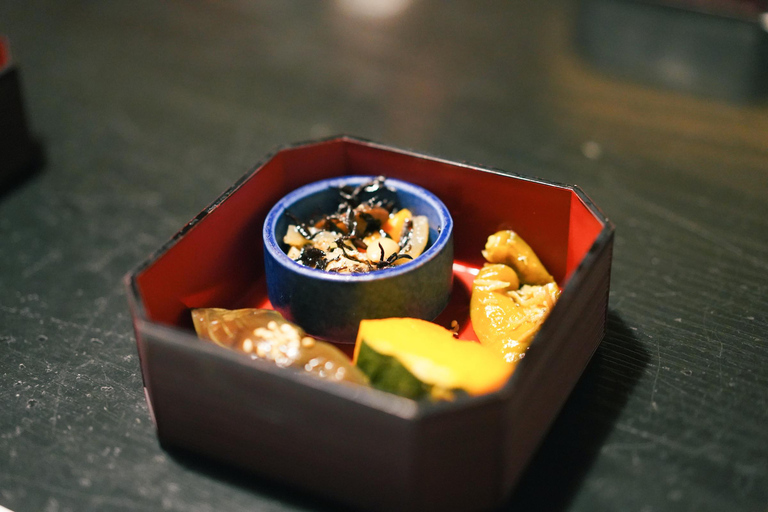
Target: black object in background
point(19, 151)
point(710, 48)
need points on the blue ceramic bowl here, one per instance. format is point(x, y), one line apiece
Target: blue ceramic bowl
point(330, 305)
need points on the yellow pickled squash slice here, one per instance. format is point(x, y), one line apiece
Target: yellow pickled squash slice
point(509, 248)
point(265, 334)
point(415, 358)
point(505, 318)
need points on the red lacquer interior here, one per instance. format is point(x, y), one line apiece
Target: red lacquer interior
point(218, 262)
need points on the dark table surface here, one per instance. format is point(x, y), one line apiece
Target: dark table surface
point(148, 110)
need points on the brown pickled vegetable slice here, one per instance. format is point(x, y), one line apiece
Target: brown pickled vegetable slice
point(265, 334)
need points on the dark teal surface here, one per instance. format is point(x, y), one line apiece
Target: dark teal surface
point(148, 110)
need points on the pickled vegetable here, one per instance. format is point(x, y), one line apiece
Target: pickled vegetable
point(506, 316)
point(415, 358)
point(509, 248)
point(265, 334)
point(395, 223)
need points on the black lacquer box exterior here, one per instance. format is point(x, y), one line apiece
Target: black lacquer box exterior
point(19, 151)
point(356, 445)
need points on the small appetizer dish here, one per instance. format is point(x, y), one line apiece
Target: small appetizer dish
point(390, 330)
point(350, 248)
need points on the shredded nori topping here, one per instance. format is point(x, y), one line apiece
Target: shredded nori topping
point(353, 221)
point(312, 257)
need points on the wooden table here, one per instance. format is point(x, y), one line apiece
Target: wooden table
point(148, 110)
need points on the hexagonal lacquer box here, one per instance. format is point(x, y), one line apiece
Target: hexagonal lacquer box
point(356, 445)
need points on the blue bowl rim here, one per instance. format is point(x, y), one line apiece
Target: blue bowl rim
point(276, 212)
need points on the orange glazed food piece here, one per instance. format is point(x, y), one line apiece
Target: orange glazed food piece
point(509, 248)
point(505, 315)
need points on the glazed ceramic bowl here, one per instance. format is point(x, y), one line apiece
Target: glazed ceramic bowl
point(330, 305)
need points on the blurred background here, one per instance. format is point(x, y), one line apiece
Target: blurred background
point(145, 111)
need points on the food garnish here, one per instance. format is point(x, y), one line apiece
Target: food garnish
point(265, 334)
point(362, 235)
